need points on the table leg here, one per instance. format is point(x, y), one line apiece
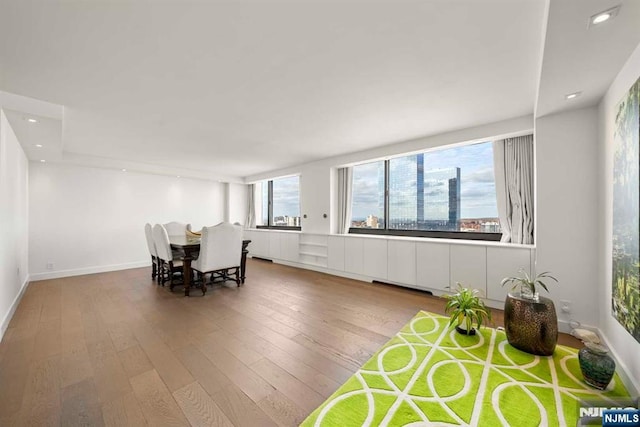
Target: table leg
point(203, 278)
point(243, 265)
point(186, 273)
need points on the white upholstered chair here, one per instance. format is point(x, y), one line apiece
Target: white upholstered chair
point(220, 252)
point(176, 228)
point(152, 250)
point(167, 266)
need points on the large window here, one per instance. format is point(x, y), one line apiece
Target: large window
point(281, 203)
point(442, 193)
point(367, 209)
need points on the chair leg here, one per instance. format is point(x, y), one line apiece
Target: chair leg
point(163, 274)
point(238, 276)
point(153, 267)
point(170, 273)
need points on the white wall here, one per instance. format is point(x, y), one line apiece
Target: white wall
point(86, 220)
point(567, 218)
point(14, 228)
point(236, 203)
point(626, 348)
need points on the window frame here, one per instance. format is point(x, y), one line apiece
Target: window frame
point(436, 234)
point(269, 225)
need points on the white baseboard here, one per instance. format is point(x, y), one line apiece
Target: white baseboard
point(88, 270)
point(565, 326)
point(13, 307)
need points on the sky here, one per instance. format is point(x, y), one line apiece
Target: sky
point(286, 196)
point(477, 185)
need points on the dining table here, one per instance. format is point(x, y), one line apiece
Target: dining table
point(189, 248)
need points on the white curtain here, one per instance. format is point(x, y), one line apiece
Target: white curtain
point(251, 207)
point(513, 165)
point(345, 178)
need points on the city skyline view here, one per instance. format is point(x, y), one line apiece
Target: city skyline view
point(477, 182)
point(448, 189)
point(286, 201)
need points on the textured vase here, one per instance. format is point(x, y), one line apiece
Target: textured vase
point(531, 326)
point(596, 365)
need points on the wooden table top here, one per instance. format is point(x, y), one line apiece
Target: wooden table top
point(192, 242)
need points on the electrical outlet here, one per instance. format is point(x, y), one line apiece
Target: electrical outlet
point(565, 306)
point(49, 265)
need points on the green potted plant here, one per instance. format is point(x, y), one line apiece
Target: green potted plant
point(528, 283)
point(530, 321)
point(466, 309)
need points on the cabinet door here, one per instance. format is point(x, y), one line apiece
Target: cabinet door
point(335, 248)
point(401, 263)
point(353, 257)
point(259, 245)
point(432, 270)
point(469, 267)
point(503, 262)
point(375, 258)
point(274, 245)
point(289, 246)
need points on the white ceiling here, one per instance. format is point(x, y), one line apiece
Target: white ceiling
point(582, 59)
point(230, 89)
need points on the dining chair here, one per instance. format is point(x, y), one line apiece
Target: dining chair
point(175, 228)
point(152, 251)
point(220, 252)
point(168, 266)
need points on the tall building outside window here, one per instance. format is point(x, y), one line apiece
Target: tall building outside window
point(447, 190)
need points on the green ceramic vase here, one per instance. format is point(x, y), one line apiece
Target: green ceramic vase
point(596, 365)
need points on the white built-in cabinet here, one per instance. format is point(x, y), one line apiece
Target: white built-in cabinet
point(312, 249)
point(374, 258)
point(468, 266)
point(418, 263)
point(432, 262)
point(402, 262)
point(354, 255)
point(273, 245)
point(336, 253)
point(259, 245)
point(503, 262)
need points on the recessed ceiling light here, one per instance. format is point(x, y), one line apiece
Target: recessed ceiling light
point(573, 95)
point(32, 120)
point(178, 176)
point(601, 18)
point(124, 170)
point(604, 16)
point(38, 145)
point(42, 161)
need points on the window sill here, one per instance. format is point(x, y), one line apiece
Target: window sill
point(435, 240)
point(275, 228)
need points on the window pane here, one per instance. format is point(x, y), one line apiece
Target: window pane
point(367, 208)
point(265, 203)
point(406, 197)
point(286, 202)
point(444, 190)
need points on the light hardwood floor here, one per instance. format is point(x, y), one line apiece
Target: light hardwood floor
point(116, 349)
